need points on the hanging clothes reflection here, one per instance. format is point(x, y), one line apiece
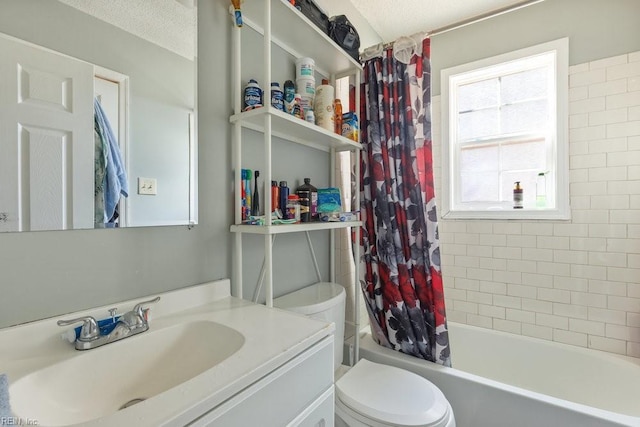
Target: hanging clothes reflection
point(110, 174)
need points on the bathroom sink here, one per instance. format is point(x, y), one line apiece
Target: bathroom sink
point(96, 383)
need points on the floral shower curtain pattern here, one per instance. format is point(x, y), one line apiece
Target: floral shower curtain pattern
point(400, 265)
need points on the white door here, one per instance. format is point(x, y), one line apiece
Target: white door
point(46, 139)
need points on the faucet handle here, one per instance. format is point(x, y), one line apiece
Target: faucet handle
point(135, 318)
point(138, 307)
point(89, 331)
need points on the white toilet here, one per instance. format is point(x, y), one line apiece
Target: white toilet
point(365, 395)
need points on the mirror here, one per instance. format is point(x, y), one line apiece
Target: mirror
point(62, 61)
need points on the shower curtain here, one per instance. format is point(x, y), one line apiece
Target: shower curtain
point(400, 264)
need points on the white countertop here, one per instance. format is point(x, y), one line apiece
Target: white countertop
point(271, 337)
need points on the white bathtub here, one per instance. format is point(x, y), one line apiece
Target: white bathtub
point(507, 380)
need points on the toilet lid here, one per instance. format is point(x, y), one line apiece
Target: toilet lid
point(392, 395)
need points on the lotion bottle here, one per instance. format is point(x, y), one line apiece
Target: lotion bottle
point(517, 196)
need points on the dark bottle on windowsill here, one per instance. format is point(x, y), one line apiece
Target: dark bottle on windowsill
point(517, 196)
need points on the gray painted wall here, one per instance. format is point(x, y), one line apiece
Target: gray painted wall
point(48, 273)
point(596, 29)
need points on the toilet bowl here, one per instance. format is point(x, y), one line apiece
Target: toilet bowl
point(369, 394)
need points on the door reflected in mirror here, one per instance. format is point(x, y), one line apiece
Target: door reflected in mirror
point(97, 114)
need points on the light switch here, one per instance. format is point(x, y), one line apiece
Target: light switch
point(148, 186)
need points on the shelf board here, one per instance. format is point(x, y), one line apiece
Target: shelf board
point(294, 129)
point(292, 228)
point(303, 37)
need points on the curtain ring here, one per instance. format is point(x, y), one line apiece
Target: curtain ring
point(404, 48)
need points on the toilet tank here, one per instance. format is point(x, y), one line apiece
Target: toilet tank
point(322, 301)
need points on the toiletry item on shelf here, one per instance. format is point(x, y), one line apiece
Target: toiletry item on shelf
point(237, 13)
point(541, 190)
point(310, 116)
point(277, 96)
point(308, 201)
point(517, 196)
point(305, 68)
point(245, 185)
point(306, 81)
point(306, 87)
point(255, 200)
point(284, 193)
point(289, 96)
point(298, 110)
point(350, 125)
point(337, 112)
point(275, 196)
point(329, 200)
point(243, 193)
point(252, 95)
point(293, 207)
point(275, 220)
point(323, 106)
point(339, 216)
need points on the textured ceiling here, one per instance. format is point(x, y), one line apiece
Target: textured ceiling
point(168, 23)
point(171, 23)
point(394, 18)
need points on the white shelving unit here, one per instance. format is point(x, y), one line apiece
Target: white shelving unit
point(281, 24)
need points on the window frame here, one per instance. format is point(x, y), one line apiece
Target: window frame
point(558, 158)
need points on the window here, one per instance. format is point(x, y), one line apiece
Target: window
point(505, 121)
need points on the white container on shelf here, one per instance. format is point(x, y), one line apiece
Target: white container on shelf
point(306, 87)
point(305, 68)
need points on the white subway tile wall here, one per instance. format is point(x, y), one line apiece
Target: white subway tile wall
point(578, 281)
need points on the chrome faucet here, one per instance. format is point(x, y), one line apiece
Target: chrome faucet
point(131, 323)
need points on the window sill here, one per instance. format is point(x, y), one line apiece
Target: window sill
point(516, 214)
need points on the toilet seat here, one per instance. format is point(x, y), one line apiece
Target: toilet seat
point(389, 396)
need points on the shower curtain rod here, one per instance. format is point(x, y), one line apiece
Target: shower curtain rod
point(474, 19)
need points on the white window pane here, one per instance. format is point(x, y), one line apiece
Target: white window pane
point(524, 85)
point(474, 96)
point(532, 116)
point(479, 159)
point(479, 187)
point(478, 124)
point(524, 155)
point(515, 115)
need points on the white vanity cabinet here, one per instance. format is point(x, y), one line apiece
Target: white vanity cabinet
point(280, 24)
point(298, 393)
